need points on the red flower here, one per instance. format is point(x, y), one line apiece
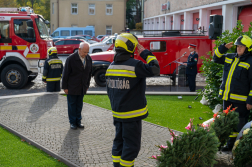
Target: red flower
point(215, 115)
point(226, 111)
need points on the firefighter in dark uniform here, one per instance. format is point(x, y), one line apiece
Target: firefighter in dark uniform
point(52, 71)
point(126, 84)
point(191, 67)
point(236, 87)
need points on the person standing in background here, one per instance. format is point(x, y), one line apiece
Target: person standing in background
point(76, 81)
point(52, 71)
point(191, 67)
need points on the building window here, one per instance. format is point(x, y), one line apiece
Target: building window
point(109, 9)
point(53, 28)
point(108, 30)
point(91, 9)
point(74, 8)
point(52, 8)
point(74, 25)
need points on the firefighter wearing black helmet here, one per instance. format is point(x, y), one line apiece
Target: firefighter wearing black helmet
point(126, 83)
point(52, 71)
point(236, 87)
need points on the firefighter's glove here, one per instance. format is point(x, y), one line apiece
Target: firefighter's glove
point(145, 54)
point(222, 49)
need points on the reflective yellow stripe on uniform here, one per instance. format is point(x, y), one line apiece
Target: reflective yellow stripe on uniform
point(229, 78)
point(238, 97)
point(227, 60)
point(250, 93)
point(116, 159)
point(120, 73)
point(220, 92)
point(126, 163)
point(130, 114)
point(43, 77)
point(244, 65)
point(54, 61)
point(234, 134)
point(53, 79)
point(217, 53)
point(150, 58)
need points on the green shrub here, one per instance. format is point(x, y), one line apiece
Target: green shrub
point(243, 150)
point(139, 26)
point(224, 124)
point(196, 147)
point(213, 71)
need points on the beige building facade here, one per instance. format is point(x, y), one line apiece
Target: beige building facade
point(194, 14)
point(107, 16)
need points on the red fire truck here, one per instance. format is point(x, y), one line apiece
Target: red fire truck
point(24, 41)
point(166, 49)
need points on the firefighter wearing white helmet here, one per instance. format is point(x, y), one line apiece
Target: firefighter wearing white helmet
point(126, 83)
point(236, 87)
point(52, 71)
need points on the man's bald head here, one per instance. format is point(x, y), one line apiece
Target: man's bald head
point(83, 49)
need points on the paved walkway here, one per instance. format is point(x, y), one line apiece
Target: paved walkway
point(43, 121)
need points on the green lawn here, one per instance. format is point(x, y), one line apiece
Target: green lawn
point(165, 110)
point(16, 153)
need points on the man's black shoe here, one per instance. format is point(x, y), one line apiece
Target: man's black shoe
point(72, 126)
point(80, 125)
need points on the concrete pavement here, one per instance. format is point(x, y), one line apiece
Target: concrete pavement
point(43, 121)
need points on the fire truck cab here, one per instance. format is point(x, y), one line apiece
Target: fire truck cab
point(24, 40)
point(167, 49)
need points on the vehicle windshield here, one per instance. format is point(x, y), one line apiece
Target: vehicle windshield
point(105, 40)
point(42, 27)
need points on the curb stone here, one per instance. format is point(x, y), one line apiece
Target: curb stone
point(54, 155)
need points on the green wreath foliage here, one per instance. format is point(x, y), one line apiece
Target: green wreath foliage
point(196, 147)
point(243, 151)
point(224, 124)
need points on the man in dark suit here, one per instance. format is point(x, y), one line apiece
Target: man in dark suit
point(75, 82)
point(191, 67)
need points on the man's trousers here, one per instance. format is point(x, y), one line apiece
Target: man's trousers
point(75, 104)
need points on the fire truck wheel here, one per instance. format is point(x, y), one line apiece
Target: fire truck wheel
point(99, 78)
point(97, 50)
point(14, 76)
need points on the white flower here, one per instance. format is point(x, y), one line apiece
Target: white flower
point(246, 131)
point(236, 143)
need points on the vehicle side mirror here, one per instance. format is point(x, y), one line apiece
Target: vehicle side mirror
point(47, 22)
point(107, 42)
